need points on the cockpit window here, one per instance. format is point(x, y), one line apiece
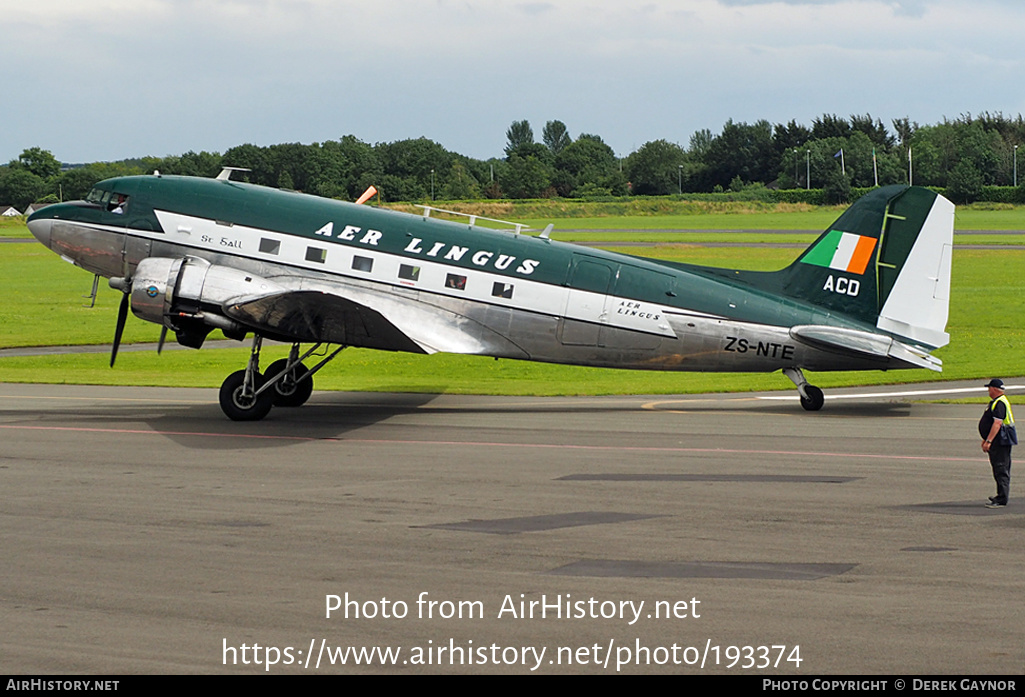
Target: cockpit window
point(110, 201)
point(118, 203)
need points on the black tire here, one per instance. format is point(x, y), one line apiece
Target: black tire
point(815, 398)
point(239, 408)
point(288, 392)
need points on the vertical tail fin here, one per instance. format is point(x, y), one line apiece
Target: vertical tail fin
point(885, 262)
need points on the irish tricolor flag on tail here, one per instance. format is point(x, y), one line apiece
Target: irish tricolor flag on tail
point(842, 251)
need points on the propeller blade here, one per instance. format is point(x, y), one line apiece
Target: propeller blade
point(122, 315)
point(163, 335)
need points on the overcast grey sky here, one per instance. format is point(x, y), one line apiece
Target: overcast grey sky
point(109, 79)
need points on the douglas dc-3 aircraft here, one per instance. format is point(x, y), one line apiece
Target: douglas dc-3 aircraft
point(194, 254)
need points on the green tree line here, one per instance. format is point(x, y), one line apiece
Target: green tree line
point(834, 154)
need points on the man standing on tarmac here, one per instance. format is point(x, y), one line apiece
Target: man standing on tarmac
point(996, 427)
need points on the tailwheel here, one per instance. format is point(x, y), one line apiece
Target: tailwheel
point(811, 396)
point(240, 402)
point(288, 391)
point(814, 399)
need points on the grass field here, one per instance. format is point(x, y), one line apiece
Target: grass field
point(615, 237)
point(43, 305)
point(966, 218)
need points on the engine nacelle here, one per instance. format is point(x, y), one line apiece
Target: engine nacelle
point(185, 294)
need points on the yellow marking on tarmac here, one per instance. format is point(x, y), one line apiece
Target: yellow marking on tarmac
point(656, 406)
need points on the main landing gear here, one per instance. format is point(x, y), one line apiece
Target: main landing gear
point(811, 396)
point(248, 395)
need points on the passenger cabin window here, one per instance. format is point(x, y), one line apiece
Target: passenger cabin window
point(316, 254)
point(455, 281)
point(410, 273)
point(502, 290)
point(270, 246)
point(362, 264)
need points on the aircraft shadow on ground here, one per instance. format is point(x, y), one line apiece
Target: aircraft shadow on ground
point(202, 426)
point(331, 416)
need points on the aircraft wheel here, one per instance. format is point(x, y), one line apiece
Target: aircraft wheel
point(288, 392)
point(239, 407)
point(815, 398)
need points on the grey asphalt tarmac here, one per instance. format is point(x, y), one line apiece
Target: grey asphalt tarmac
point(145, 533)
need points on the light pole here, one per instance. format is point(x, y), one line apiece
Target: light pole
point(1016, 165)
point(796, 183)
point(679, 172)
point(807, 171)
point(432, 183)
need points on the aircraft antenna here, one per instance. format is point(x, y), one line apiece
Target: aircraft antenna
point(518, 228)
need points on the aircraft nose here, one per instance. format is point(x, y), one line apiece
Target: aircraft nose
point(40, 229)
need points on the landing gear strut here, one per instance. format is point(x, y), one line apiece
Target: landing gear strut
point(242, 395)
point(812, 398)
point(295, 384)
point(248, 395)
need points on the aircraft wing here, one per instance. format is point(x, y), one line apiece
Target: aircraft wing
point(368, 319)
point(315, 316)
point(863, 344)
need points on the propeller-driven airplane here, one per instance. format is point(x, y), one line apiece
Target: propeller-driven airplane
point(195, 254)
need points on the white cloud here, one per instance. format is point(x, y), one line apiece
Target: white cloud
point(172, 75)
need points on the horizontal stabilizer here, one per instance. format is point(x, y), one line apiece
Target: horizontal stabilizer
point(863, 344)
point(915, 357)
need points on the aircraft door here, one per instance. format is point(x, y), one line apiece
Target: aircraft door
point(136, 249)
point(586, 302)
point(637, 324)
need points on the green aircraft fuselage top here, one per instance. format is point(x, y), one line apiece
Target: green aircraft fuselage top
point(761, 297)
